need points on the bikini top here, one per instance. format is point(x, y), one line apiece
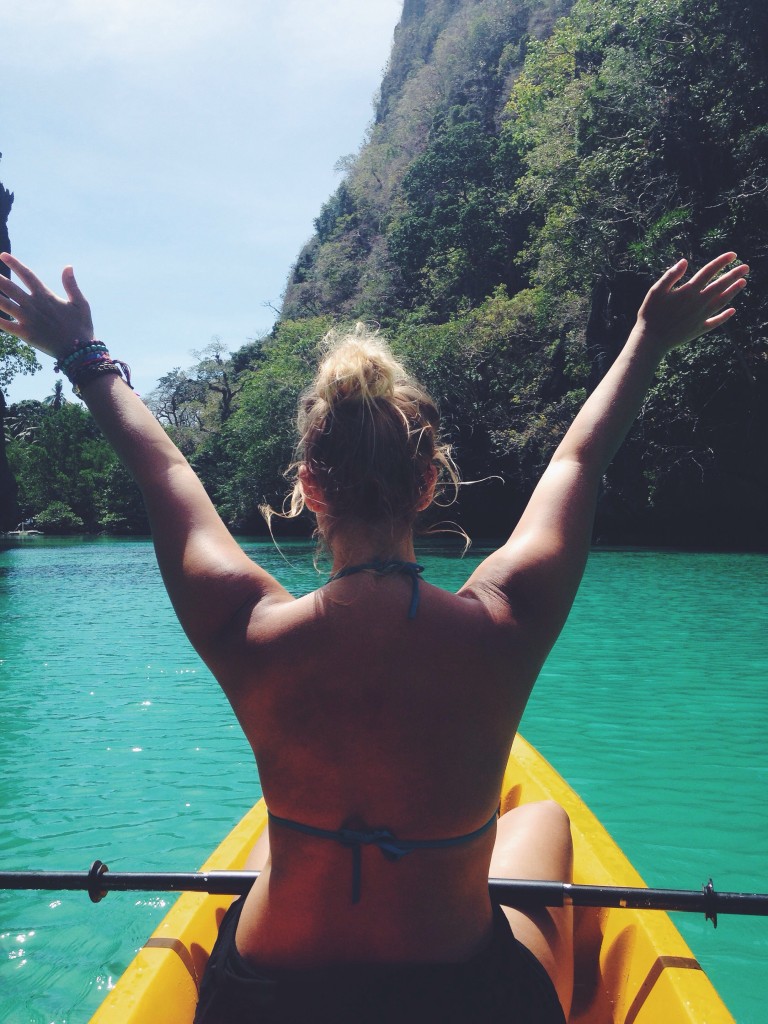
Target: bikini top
point(384, 568)
point(390, 846)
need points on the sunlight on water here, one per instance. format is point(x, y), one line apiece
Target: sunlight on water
point(115, 743)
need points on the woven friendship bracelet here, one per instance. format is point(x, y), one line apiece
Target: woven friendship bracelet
point(75, 370)
point(93, 370)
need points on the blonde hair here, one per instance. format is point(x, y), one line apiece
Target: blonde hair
point(369, 435)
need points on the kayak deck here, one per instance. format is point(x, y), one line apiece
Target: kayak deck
point(632, 966)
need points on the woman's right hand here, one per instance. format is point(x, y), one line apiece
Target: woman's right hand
point(41, 318)
point(671, 316)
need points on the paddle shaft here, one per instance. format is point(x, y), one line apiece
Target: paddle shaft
point(510, 892)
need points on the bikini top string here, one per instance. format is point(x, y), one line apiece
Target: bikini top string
point(412, 569)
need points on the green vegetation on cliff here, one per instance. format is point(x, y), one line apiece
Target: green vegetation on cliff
point(526, 209)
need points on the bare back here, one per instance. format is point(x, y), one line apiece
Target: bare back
point(356, 714)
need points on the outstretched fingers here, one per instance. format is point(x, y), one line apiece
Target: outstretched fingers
point(678, 311)
point(721, 291)
point(10, 297)
point(726, 285)
point(10, 291)
point(22, 272)
point(670, 277)
point(711, 269)
point(717, 321)
point(71, 286)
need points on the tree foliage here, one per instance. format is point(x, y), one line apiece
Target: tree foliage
point(243, 465)
point(639, 143)
point(69, 479)
point(568, 165)
point(15, 358)
point(454, 240)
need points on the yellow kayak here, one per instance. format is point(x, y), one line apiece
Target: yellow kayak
point(632, 966)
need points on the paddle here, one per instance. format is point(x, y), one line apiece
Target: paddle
point(511, 892)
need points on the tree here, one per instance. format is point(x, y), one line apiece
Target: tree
point(23, 420)
point(119, 504)
point(242, 465)
point(64, 460)
point(15, 358)
point(176, 399)
point(215, 372)
point(57, 518)
point(56, 399)
point(6, 202)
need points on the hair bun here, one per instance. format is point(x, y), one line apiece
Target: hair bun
point(357, 368)
point(368, 436)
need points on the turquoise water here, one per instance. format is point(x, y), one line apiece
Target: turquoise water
point(115, 743)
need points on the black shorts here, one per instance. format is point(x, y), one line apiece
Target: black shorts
point(504, 982)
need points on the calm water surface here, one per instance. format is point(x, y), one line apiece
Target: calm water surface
point(116, 743)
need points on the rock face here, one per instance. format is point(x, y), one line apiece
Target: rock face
point(446, 54)
point(420, 26)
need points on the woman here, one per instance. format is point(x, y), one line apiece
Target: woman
point(380, 708)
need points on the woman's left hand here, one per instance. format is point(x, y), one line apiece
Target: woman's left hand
point(674, 313)
point(44, 320)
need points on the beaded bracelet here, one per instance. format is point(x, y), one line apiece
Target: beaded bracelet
point(89, 360)
point(82, 352)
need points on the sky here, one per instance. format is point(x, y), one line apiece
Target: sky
point(176, 154)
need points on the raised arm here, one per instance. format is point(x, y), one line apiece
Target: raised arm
point(538, 571)
point(208, 577)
